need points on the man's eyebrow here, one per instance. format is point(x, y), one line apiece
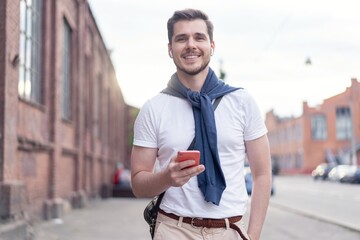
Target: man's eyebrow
point(185, 35)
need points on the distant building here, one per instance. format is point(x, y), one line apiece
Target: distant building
point(329, 132)
point(63, 119)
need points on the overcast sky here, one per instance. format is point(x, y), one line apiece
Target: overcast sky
point(263, 46)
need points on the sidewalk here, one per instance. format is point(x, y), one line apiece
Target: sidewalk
point(110, 219)
point(122, 219)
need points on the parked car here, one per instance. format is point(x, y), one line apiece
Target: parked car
point(356, 177)
point(322, 171)
point(352, 176)
point(340, 171)
point(248, 181)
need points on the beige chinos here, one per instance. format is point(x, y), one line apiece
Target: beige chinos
point(170, 229)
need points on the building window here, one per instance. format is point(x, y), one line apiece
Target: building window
point(318, 127)
point(29, 85)
point(343, 123)
point(66, 72)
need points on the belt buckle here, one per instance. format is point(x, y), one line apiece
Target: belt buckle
point(193, 221)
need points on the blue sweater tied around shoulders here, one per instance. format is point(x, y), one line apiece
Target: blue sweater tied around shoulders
point(212, 181)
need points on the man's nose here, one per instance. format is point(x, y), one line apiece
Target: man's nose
point(191, 43)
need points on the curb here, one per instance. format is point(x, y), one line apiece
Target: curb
point(314, 216)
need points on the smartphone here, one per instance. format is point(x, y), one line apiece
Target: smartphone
point(189, 155)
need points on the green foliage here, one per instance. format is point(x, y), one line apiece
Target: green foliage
point(133, 112)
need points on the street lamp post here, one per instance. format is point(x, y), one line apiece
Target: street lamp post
point(353, 146)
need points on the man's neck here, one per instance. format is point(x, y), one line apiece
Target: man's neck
point(194, 82)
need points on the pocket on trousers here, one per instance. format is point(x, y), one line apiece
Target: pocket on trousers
point(157, 235)
point(243, 228)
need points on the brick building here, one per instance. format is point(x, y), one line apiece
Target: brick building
point(329, 132)
point(63, 122)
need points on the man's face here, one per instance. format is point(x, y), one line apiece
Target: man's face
point(190, 46)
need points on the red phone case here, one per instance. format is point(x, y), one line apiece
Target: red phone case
point(189, 155)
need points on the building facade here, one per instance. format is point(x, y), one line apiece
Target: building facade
point(329, 132)
point(63, 123)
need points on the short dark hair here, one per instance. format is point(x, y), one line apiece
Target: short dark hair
point(189, 14)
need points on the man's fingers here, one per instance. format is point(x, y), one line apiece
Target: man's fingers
point(183, 175)
point(186, 164)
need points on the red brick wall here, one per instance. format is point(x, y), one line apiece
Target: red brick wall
point(286, 140)
point(313, 152)
point(52, 157)
point(2, 84)
point(9, 29)
point(34, 173)
point(66, 168)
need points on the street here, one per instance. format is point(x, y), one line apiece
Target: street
point(300, 209)
point(284, 225)
point(328, 201)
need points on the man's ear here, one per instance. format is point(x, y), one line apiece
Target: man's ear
point(212, 46)
point(170, 51)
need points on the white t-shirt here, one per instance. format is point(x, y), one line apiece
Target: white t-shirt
point(167, 123)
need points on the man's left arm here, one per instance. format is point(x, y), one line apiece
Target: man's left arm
point(258, 153)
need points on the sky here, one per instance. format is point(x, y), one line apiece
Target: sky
point(262, 46)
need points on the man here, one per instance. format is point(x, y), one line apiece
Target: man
point(204, 201)
point(122, 176)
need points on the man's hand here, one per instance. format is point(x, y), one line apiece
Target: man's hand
point(146, 183)
point(179, 173)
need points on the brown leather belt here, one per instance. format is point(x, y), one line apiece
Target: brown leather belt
point(208, 222)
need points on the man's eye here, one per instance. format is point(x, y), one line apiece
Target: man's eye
point(180, 39)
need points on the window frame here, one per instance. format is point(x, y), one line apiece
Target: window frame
point(66, 71)
point(30, 78)
point(344, 123)
point(319, 127)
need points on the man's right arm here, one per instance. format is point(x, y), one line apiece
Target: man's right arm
point(146, 183)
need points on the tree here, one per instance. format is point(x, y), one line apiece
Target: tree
point(222, 74)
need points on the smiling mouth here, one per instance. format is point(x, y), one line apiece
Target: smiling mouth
point(191, 55)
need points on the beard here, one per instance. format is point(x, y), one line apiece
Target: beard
point(192, 71)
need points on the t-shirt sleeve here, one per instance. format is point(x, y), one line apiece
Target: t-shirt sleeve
point(255, 125)
point(144, 128)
